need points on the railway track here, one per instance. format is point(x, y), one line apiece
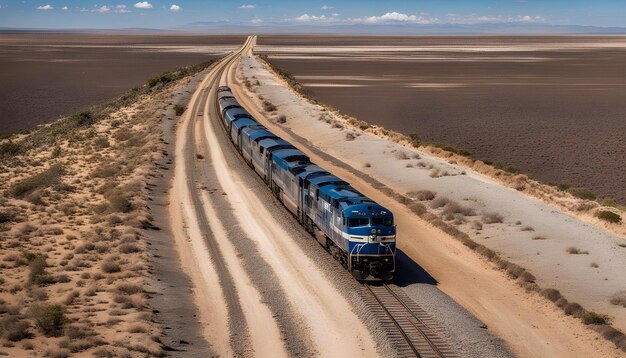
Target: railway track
point(409, 328)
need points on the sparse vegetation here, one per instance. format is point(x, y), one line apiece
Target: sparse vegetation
point(350, 136)
point(415, 140)
point(422, 195)
point(583, 193)
point(590, 317)
point(619, 299)
point(609, 216)
point(539, 237)
point(49, 318)
point(282, 119)
point(47, 178)
point(575, 251)
point(179, 110)
point(492, 218)
point(268, 106)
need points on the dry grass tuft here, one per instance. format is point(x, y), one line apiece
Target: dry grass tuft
point(422, 195)
point(575, 251)
point(618, 299)
point(492, 218)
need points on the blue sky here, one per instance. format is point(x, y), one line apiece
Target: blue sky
point(175, 13)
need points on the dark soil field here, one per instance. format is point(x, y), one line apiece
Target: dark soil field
point(43, 76)
point(554, 107)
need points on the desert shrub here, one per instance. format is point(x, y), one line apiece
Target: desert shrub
point(7, 216)
point(575, 251)
point(455, 208)
point(57, 353)
point(449, 148)
point(563, 186)
point(10, 149)
point(594, 265)
point(128, 248)
point(526, 276)
point(268, 106)
point(573, 309)
point(101, 142)
point(367, 165)
point(492, 218)
point(129, 289)
point(47, 178)
point(439, 202)
point(179, 110)
point(71, 297)
point(282, 119)
point(527, 228)
point(110, 267)
point(38, 274)
point(14, 329)
point(540, 238)
point(414, 139)
point(551, 294)
point(350, 136)
point(105, 171)
point(119, 203)
point(477, 225)
point(82, 119)
point(401, 155)
point(590, 317)
point(609, 216)
point(137, 329)
point(422, 195)
point(49, 318)
point(619, 299)
point(583, 193)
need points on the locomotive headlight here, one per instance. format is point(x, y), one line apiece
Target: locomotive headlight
point(373, 231)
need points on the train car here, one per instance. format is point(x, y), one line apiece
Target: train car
point(233, 114)
point(227, 103)
point(237, 125)
point(285, 163)
point(261, 155)
point(250, 137)
point(360, 233)
point(225, 94)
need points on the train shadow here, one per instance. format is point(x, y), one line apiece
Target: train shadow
point(409, 272)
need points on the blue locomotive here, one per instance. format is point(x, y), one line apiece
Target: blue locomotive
point(358, 232)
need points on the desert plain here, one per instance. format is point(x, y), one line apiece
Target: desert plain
point(550, 106)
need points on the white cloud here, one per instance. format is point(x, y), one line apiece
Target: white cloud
point(175, 8)
point(65, 8)
point(247, 6)
point(483, 19)
point(398, 17)
point(45, 7)
point(334, 14)
point(256, 21)
point(143, 5)
point(311, 18)
point(105, 9)
point(326, 7)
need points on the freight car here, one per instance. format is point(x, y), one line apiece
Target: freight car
point(359, 233)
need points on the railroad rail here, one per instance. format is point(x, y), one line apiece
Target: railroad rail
point(409, 328)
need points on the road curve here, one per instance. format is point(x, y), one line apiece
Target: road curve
point(259, 290)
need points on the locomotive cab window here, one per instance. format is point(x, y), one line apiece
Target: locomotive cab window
point(358, 222)
point(382, 221)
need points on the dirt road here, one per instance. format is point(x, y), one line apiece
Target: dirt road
point(257, 283)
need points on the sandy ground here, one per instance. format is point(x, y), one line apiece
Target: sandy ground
point(301, 311)
point(504, 306)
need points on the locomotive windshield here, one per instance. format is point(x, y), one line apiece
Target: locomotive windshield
point(382, 221)
point(358, 222)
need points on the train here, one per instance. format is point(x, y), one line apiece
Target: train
point(357, 231)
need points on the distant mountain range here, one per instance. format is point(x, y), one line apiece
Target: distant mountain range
point(223, 27)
